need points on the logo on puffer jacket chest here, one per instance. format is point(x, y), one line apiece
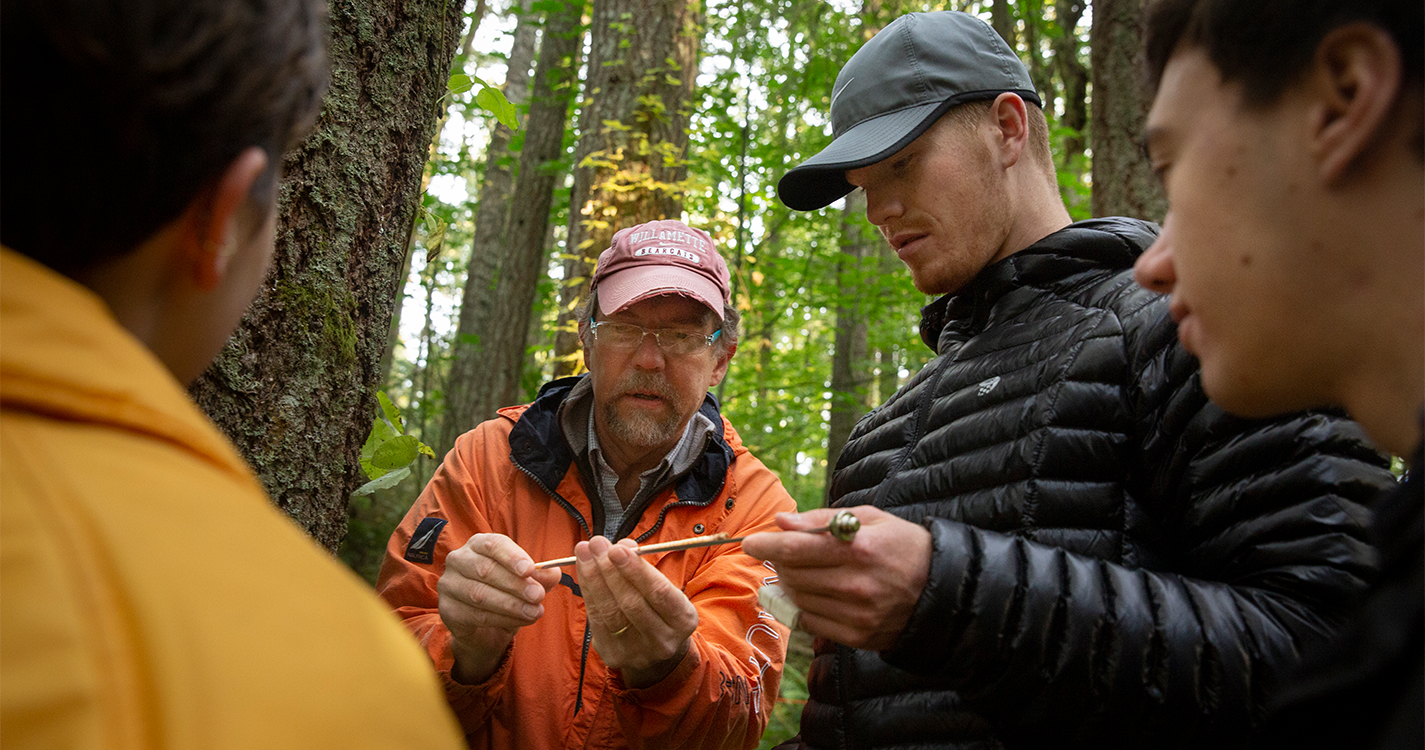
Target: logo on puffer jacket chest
point(988, 385)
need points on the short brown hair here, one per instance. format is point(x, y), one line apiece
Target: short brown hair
point(118, 113)
point(969, 114)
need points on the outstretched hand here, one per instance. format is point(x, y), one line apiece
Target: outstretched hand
point(490, 589)
point(642, 624)
point(859, 593)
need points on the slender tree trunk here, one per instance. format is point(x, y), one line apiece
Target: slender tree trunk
point(295, 387)
point(630, 161)
point(479, 304)
point(393, 332)
point(1002, 19)
point(1032, 11)
point(1123, 182)
point(530, 231)
point(849, 375)
point(1075, 77)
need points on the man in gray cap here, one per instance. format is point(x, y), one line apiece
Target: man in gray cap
point(1063, 543)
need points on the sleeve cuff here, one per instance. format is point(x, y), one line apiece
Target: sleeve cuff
point(665, 689)
point(927, 641)
point(467, 700)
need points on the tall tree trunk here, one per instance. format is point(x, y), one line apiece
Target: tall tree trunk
point(849, 375)
point(1032, 11)
point(630, 161)
point(891, 329)
point(1002, 19)
point(393, 332)
point(531, 235)
point(1123, 182)
point(1075, 77)
point(295, 387)
point(488, 248)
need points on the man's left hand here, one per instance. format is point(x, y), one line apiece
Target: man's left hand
point(642, 624)
point(859, 593)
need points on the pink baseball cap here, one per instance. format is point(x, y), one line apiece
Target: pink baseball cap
point(661, 257)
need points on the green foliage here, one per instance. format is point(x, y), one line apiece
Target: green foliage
point(388, 449)
point(489, 98)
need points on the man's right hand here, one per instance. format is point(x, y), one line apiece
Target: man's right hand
point(489, 590)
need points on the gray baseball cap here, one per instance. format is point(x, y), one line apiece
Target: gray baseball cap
point(895, 87)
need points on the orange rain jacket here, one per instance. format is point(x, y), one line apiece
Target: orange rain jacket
point(516, 475)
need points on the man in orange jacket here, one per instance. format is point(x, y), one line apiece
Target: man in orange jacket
point(614, 650)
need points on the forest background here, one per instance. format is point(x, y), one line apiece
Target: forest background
point(473, 159)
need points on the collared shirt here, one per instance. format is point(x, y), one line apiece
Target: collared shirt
point(577, 421)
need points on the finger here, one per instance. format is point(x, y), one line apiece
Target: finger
point(647, 595)
point(548, 578)
point(504, 551)
point(809, 520)
point(478, 603)
point(460, 617)
point(599, 603)
point(481, 560)
point(831, 629)
point(791, 550)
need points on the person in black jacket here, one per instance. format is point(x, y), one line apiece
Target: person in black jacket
point(1294, 159)
point(1063, 543)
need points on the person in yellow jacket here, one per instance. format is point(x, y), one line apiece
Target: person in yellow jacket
point(151, 594)
point(613, 650)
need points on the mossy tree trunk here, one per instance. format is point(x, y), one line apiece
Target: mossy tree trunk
point(295, 387)
point(1123, 182)
point(630, 161)
point(500, 290)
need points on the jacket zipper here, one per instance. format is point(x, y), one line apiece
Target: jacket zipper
point(588, 634)
point(922, 412)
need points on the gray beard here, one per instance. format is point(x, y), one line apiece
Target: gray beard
point(645, 430)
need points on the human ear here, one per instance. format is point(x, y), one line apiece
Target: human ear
point(720, 369)
point(1354, 81)
point(1011, 126)
point(210, 229)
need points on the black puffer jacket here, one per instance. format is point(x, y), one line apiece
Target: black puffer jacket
point(1116, 562)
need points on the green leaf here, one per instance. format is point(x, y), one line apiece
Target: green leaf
point(494, 101)
point(460, 83)
point(392, 413)
point(381, 433)
point(426, 449)
point(396, 453)
point(383, 482)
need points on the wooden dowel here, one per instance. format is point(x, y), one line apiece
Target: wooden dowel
point(648, 549)
point(843, 526)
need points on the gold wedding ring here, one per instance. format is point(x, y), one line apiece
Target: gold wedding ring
point(620, 630)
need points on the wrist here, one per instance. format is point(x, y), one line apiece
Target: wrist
point(477, 658)
point(638, 678)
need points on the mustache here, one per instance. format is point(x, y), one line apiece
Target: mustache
point(648, 382)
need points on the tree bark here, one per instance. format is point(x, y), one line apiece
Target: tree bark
point(849, 374)
point(393, 332)
point(1002, 19)
point(294, 388)
point(1075, 77)
point(1123, 182)
point(488, 248)
point(630, 161)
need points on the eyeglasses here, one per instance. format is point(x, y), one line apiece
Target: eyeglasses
point(626, 337)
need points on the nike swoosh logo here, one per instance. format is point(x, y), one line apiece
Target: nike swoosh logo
point(837, 94)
